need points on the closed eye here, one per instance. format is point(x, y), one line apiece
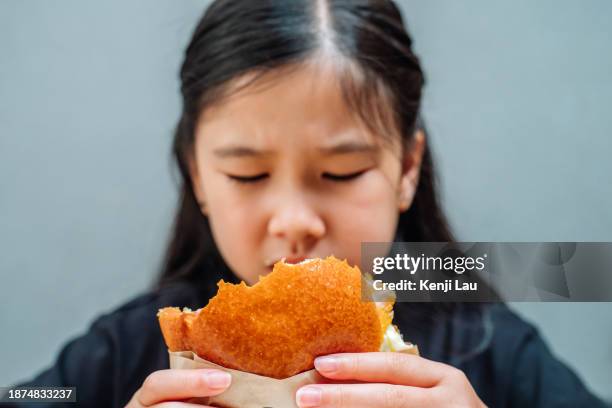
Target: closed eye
point(247, 179)
point(343, 177)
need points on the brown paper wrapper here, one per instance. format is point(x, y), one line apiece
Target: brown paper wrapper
point(251, 390)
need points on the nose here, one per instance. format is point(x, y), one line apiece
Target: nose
point(298, 223)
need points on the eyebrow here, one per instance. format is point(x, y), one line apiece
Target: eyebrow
point(342, 148)
point(239, 151)
point(349, 147)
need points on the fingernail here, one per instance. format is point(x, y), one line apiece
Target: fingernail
point(326, 364)
point(218, 379)
point(309, 397)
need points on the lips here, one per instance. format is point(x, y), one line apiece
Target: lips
point(287, 259)
point(295, 259)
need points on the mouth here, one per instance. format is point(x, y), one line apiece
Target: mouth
point(287, 259)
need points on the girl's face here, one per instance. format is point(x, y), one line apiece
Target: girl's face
point(287, 171)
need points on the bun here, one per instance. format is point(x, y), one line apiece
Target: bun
point(278, 326)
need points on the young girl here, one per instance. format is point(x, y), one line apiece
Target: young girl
point(299, 138)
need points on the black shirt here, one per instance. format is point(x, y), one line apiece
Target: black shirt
point(505, 359)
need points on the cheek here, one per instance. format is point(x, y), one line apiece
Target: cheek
point(371, 200)
point(235, 226)
point(368, 213)
point(227, 207)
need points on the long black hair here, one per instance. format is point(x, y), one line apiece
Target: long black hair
point(381, 80)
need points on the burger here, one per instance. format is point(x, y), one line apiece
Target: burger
point(278, 326)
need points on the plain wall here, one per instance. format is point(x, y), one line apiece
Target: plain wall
point(517, 103)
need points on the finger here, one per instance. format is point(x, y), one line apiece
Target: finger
point(388, 367)
point(180, 405)
point(165, 385)
point(364, 395)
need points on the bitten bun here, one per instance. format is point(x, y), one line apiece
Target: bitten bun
point(277, 327)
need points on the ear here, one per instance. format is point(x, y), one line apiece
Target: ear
point(411, 169)
point(196, 183)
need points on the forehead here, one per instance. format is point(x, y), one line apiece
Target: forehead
point(303, 101)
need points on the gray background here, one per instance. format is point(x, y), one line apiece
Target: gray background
point(517, 102)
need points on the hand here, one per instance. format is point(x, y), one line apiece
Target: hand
point(389, 380)
point(174, 388)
